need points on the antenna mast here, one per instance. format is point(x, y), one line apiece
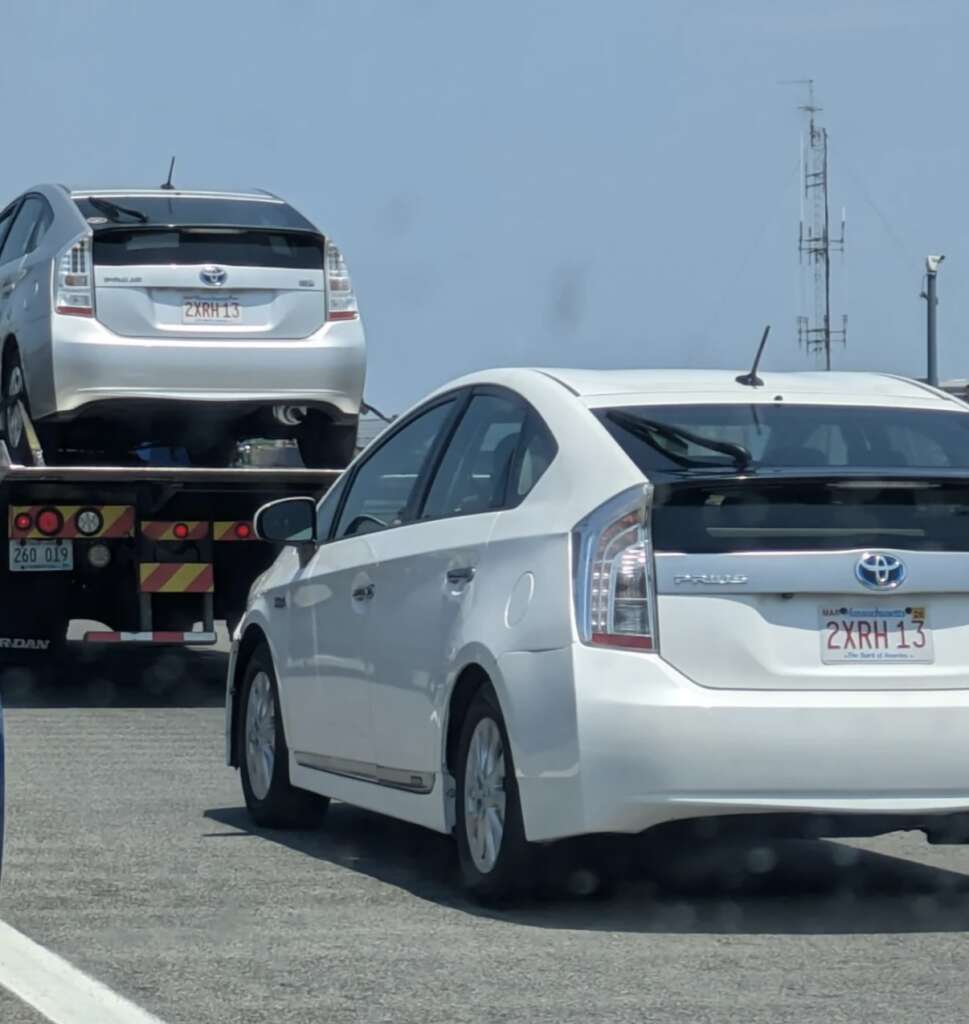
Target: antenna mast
point(814, 243)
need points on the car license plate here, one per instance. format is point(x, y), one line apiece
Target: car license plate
point(211, 309)
point(866, 635)
point(41, 555)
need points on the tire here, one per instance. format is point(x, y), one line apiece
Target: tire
point(496, 862)
point(325, 445)
point(271, 800)
point(12, 388)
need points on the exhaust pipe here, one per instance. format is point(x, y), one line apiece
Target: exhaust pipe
point(290, 415)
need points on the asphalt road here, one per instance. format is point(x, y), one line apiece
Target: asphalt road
point(129, 853)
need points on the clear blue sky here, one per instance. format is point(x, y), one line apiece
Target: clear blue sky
point(536, 182)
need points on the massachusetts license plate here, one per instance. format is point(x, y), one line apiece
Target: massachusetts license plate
point(211, 309)
point(867, 635)
point(41, 555)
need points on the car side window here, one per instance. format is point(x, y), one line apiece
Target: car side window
point(41, 225)
point(536, 456)
point(6, 221)
point(473, 475)
point(384, 486)
point(24, 226)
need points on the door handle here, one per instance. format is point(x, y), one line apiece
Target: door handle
point(463, 575)
point(364, 593)
point(10, 283)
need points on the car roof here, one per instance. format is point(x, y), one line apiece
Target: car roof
point(590, 383)
point(596, 388)
point(254, 195)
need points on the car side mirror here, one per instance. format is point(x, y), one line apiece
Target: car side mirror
point(287, 521)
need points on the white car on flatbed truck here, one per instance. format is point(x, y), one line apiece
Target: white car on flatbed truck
point(174, 316)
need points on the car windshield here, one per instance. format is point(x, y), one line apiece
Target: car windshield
point(792, 436)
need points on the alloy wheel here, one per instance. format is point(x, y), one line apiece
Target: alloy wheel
point(14, 425)
point(484, 794)
point(260, 735)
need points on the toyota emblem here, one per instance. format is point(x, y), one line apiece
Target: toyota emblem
point(212, 275)
point(878, 571)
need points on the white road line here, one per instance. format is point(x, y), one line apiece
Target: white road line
point(58, 990)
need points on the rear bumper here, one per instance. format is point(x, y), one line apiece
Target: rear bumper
point(93, 365)
point(646, 746)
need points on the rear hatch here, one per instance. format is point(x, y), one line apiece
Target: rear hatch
point(837, 577)
point(209, 270)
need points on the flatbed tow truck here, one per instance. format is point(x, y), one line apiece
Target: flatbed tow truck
point(156, 554)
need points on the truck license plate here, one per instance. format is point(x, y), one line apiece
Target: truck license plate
point(41, 555)
point(866, 635)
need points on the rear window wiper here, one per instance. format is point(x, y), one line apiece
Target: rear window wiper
point(650, 430)
point(112, 210)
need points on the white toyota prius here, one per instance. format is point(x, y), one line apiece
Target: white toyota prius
point(547, 604)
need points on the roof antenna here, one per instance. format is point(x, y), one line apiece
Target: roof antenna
point(171, 168)
point(751, 379)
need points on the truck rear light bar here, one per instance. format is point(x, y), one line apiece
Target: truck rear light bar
point(233, 529)
point(76, 521)
point(184, 529)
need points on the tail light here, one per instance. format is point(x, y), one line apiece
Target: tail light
point(49, 521)
point(613, 574)
point(341, 303)
point(74, 280)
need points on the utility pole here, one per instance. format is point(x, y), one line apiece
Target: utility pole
point(931, 303)
point(814, 243)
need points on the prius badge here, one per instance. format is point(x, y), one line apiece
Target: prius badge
point(715, 579)
point(213, 276)
point(879, 571)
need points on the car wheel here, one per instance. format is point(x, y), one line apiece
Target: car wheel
point(494, 855)
point(325, 445)
point(264, 757)
point(12, 401)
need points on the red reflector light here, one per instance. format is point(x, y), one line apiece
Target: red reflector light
point(23, 521)
point(642, 643)
point(49, 521)
point(342, 314)
point(75, 311)
point(243, 531)
point(180, 530)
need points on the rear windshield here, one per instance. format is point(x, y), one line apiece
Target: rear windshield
point(811, 515)
point(790, 436)
point(199, 210)
point(168, 246)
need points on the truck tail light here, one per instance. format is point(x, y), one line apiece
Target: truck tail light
point(613, 584)
point(341, 303)
point(49, 521)
point(74, 280)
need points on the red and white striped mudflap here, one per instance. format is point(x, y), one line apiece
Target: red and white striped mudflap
point(151, 637)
